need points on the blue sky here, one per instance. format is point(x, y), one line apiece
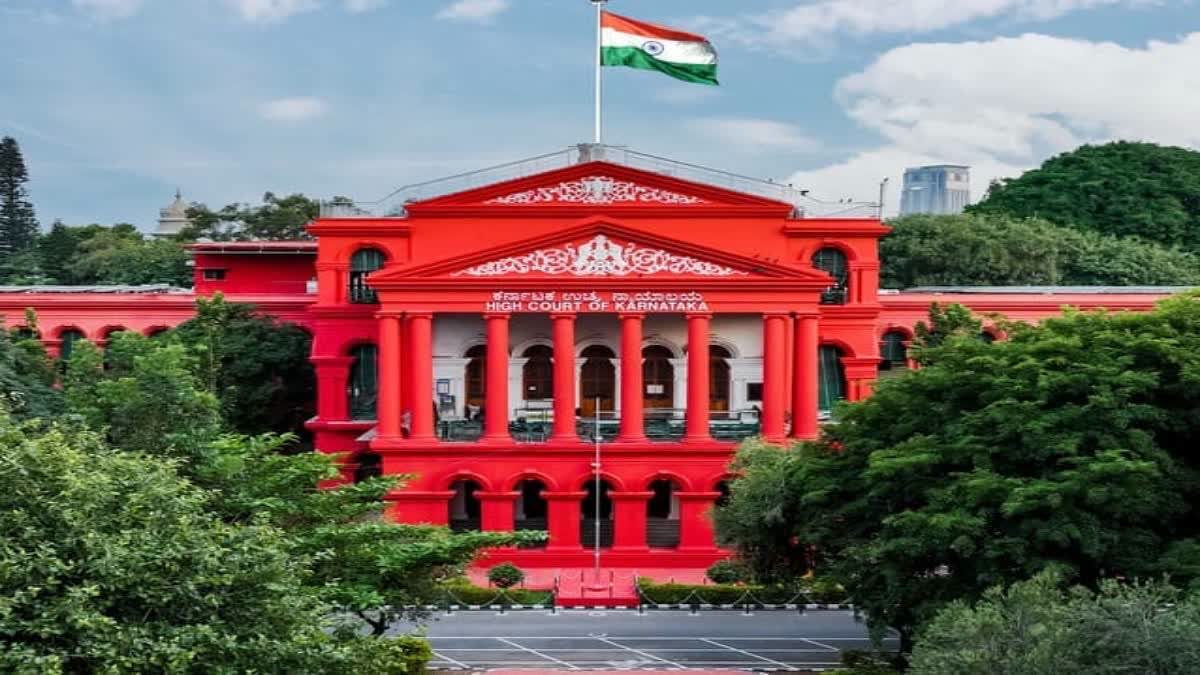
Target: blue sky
point(117, 102)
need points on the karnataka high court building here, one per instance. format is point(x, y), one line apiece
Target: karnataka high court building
point(490, 335)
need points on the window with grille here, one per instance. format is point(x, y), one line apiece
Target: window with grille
point(364, 382)
point(68, 338)
point(364, 262)
point(537, 375)
point(833, 262)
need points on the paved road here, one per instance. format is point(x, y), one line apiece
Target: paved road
point(659, 640)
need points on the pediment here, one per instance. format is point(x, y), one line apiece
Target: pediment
point(600, 250)
point(597, 184)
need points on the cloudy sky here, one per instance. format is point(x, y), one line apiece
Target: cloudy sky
point(117, 102)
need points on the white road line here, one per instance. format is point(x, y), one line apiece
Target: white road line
point(450, 660)
point(539, 654)
point(750, 654)
point(640, 653)
point(829, 647)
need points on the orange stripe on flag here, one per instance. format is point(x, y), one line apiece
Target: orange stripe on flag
point(627, 25)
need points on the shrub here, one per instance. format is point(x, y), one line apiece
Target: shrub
point(728, 572)
point(461, 592)
point(1038, 626)
point(505, 575)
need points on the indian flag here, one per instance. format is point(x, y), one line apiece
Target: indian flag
point(637, 44)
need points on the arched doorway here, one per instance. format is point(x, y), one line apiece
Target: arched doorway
point(362, 264)
point(587, 522)
point(475, 381)
point(597, 380)
point(464, 506)
point(537, 375)
point(894, 352)
point(719, 378)
point(530, 511)
point(833, 262)
point(725, 492)
point(662, 515)
point(67, 340)
point(658, 379)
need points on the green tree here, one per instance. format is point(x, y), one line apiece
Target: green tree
point(1118, 188)
point(257, 366)
point(18, 224)
point(277, 218)
point(1037, 627)
point(120, 255)
point(112, 563)
point(57, 250)
point(999, 250)
point(27, 374)
point(144, 394)
point(1070, 444)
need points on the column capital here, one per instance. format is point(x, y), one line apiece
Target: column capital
point(497, 315)
point(698, 315)
point(776, 314)
point(631, 315)
point(629, 496)
point(563, 496)
point(497, 495)
point(389, 314)
point(334, 361)
point(806, 315)
point(420, 314)
point(564, 315)
point(698, 496)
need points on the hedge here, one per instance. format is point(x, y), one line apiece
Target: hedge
point(460, 593)
point(817, 590)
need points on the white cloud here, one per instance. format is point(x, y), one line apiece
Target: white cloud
point(271, 10)
point(292, 110)
point(358, 6)
point(473, 10)
point(109, 9)
point(815, 23)
point(751, 135)
point(1004, 105)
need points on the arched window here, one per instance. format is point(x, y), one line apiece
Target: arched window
point(658, 377)
point(537, 376)
point(893, 351)
point(587, 521)
point(530, 510)
point(832, 377)
point(465, 509)
point(987, 337)
point(597, 380)
point(718, 378)
point(833, 262)
point(364, 382)
point(68, 339)
point(475, 377)
point(362, 263)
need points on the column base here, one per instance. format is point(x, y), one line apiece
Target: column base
point(630, 549)
point(496, 440)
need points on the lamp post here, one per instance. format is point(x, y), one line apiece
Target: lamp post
point(596, 584)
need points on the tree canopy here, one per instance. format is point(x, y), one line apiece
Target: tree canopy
point(277, 218)
point(1039, 627)
point(257, 366)
point(1069, 444)
point(1121, 188)
point(113, 563)
point(1000, 250)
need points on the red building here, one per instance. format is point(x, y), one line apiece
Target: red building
point(480, 339)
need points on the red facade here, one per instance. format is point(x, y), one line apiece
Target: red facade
point(479, 341)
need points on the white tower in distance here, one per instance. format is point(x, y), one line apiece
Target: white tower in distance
point(173, 218)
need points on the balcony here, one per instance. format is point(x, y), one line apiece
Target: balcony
point(660, 424)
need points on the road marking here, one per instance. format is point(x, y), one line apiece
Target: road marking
point(641, 653)
point(750, 654)
point(450, 660)
point(539, 654)
point(829, 647)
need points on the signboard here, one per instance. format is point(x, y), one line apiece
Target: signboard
point(596, 301)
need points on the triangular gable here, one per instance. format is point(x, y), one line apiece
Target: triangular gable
point(598, 184)
point(600, 249)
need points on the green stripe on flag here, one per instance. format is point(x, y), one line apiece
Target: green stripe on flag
point(634, 57)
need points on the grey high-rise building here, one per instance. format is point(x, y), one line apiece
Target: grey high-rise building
point(940, 189)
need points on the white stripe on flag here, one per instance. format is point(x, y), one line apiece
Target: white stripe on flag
point(674, 51)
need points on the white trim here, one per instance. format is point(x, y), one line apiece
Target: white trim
point(673, 51)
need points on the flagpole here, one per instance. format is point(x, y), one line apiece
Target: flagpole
point(599, 135)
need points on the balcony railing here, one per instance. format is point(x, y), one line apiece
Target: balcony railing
point(394, 204)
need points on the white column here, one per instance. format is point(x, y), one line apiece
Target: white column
point(679, 391)
point(516, 394)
